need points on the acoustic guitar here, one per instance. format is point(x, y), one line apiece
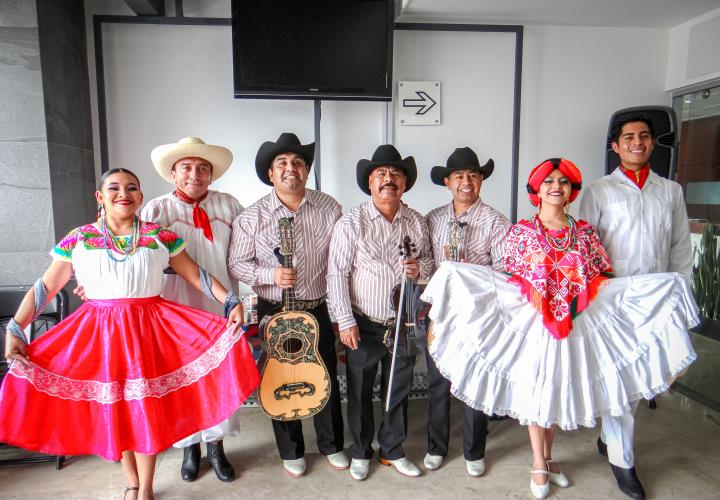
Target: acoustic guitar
point(295, 383)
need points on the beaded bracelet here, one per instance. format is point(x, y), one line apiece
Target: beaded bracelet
point(230, 302)
point(13, 328)
point(206, 283)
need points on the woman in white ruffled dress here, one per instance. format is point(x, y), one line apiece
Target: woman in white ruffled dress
point(558, 343)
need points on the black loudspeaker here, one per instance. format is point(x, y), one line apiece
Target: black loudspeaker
point(664, 157)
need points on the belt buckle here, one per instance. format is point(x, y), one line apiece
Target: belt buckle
point(307, 305)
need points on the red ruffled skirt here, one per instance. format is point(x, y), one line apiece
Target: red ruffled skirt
point(126, 374)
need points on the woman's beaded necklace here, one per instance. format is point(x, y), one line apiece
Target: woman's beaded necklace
point(560, 243)
point(112, 242)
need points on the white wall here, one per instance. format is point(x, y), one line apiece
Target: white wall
point(167, 82)
point(348, 131)
point(694, 52)
point(574, 78)
point(477, 100)
point(476, 70)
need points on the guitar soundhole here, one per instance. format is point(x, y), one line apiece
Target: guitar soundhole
point(291, 345)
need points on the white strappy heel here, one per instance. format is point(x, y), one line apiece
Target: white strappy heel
point(557, 478)
point(539, 490)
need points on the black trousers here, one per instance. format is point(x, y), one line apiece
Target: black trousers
point(474, 422)
point(328, 422)
point(362, 367)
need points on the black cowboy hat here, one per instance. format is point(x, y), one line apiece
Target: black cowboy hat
point(286, 143)
point(386, 155)
point(461, 159)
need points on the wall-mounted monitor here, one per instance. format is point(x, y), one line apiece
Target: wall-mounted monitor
point(313, 49)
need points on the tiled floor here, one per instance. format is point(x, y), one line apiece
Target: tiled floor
point(677, 448)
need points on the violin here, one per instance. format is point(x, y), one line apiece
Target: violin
point(409, 330)
point(411, 321)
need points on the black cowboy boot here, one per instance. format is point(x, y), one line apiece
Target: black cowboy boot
point(628, 482)
point(602, 447)
point(219, 462)
point(191, 462)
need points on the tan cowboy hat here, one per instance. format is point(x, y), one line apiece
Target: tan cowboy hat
point(165, 156)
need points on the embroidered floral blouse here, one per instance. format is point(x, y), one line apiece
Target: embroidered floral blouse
point(103, 277)
point(559, 283)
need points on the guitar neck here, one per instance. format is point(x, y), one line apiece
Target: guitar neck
point(456, 233)
point(288, 293)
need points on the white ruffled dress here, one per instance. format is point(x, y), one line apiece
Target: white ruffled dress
point(490, 342)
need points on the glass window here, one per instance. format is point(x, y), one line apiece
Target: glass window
point(698, 169)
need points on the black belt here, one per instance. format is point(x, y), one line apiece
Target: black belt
point(299, 305)
point(382, 322)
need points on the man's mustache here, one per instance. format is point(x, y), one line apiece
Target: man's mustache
point(388, 184)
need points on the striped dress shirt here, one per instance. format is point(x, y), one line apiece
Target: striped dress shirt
point(365, 261)
point(255, 237)
point(484, 237)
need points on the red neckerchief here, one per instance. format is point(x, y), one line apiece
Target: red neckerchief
point(639, 177)
point(200, 217)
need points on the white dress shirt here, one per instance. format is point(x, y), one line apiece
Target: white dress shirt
point(221, 209)
point(643, 230)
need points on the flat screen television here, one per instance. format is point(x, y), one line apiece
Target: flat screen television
point(313, 49)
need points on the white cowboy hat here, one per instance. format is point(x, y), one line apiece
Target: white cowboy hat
point(165, 156)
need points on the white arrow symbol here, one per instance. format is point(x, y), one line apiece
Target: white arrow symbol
point(424, 104)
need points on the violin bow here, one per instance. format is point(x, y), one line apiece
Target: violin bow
point(407, 247)
point(395, 345)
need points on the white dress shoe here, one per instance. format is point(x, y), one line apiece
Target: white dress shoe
point(432, 462)
point(539, 490)
point(295, 468)
point(403, 466)
point(557, 478)
point(338, 461)
point(475, 467)
point(359, 468)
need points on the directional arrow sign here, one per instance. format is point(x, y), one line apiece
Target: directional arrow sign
point(423, 103)
point(419, 103)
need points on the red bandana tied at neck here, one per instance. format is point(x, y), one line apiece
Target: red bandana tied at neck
point(638, 177)
point(200, 217)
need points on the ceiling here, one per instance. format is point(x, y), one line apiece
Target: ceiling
point(611, 13)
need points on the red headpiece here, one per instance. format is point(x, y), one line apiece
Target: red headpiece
point(540, 173)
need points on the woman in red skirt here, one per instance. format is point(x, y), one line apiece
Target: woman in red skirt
point(128, 373)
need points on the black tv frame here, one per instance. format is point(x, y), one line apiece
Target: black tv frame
point(310, 94)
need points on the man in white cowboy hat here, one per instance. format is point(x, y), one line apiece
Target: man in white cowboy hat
point(365, 265)
point(285, 165)
point(204, 219)
point(476, 232)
